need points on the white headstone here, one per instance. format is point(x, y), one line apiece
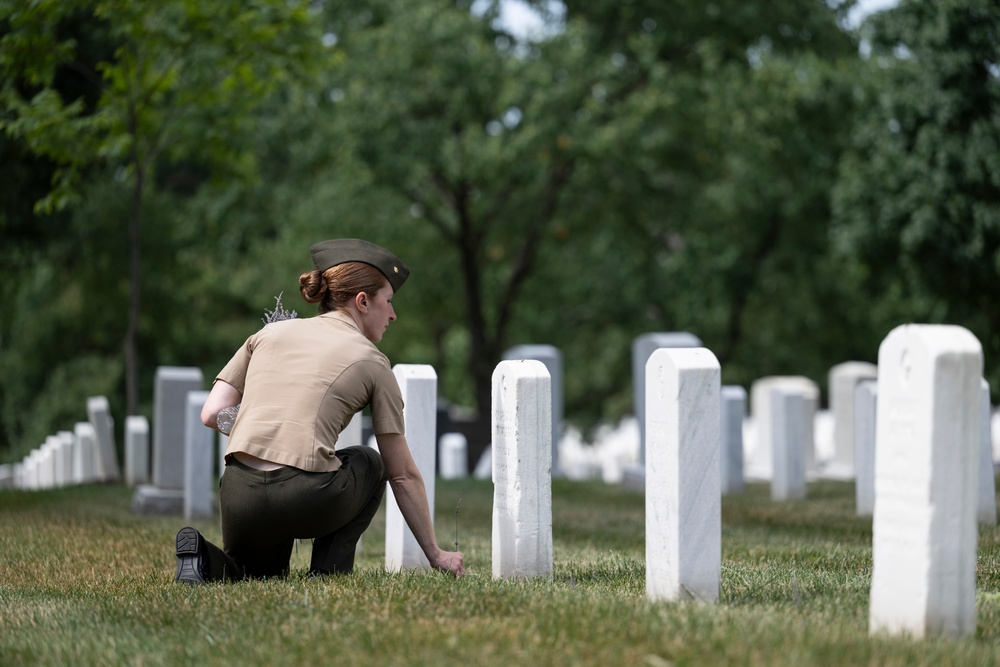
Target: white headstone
point(418, 384)
point(199, 458)
point(924, 530)
point(85, 454)
point(484, 466)
point(788, 438)
point(99, 413)
point(683, 496)
point(452, 454)
point(7, 476)
point(29, 471)
point(552, 358)
point(734, 407)
point(865, 402)
point(521, 424)
point(642, 347)
point(64, 458)
point(842, 380)
point(47, 464)
point(759, 463)
point(136, 450)
point(170, 391)
point(223, 443)
point(987, 510)
point(352, 434)
point(39, 461)
point(47, 470)
point(995, 434)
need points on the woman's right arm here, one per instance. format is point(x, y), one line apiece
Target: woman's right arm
point(411, 496)
point(222, 396)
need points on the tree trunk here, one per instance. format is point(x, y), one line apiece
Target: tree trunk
point(132, 332)
point(744, 281)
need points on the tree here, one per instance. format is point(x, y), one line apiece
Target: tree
point(179, 86)
point(728, 123)
point(645, 167)
point(559, 184)
point(918, 199)
point(474, 141)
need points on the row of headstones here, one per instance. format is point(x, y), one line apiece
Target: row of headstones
point(168, 472)
point(183, 467)
point(928, 462)
point(784, 413)
point(785, 408)
point(926, 481)
point(174, 472)
point(84, 455)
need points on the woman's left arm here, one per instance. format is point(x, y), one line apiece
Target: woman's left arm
point(222, 396)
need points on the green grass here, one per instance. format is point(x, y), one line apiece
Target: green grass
point(85, 582)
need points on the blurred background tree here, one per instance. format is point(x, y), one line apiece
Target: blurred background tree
point(100, 94)
point(918, 199)
point(639, 166)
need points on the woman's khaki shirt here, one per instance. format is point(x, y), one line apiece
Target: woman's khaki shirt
point(302, 381)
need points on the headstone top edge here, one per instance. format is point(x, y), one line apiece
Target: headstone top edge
point(846, 366)
point(766, 379)
point(197, 397)
point(415, 371)
point(528, 348)
point(684, 358)
point(522, 368)
point(668, 339)
point(179, 372)
point(936, 338)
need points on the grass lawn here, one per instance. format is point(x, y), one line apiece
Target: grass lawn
point(83, 581)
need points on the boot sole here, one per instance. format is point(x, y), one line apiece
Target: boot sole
point(188, 558)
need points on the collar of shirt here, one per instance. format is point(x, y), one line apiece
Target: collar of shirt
point(341, 316)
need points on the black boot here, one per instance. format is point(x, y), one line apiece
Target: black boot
point(190, 557)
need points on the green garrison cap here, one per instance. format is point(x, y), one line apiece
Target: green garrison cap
point(338, 251)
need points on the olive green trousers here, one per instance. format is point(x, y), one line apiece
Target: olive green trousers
point(263, 513)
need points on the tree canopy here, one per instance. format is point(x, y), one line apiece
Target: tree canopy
point(737, 170)
point(175, 81)
point(918, 198)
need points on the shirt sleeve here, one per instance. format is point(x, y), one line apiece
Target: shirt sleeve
point(235, 372)
point(387, 403)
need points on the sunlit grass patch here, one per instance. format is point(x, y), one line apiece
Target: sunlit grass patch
point(83, 581)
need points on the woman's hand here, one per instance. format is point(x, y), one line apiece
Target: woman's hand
point(451, 562)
